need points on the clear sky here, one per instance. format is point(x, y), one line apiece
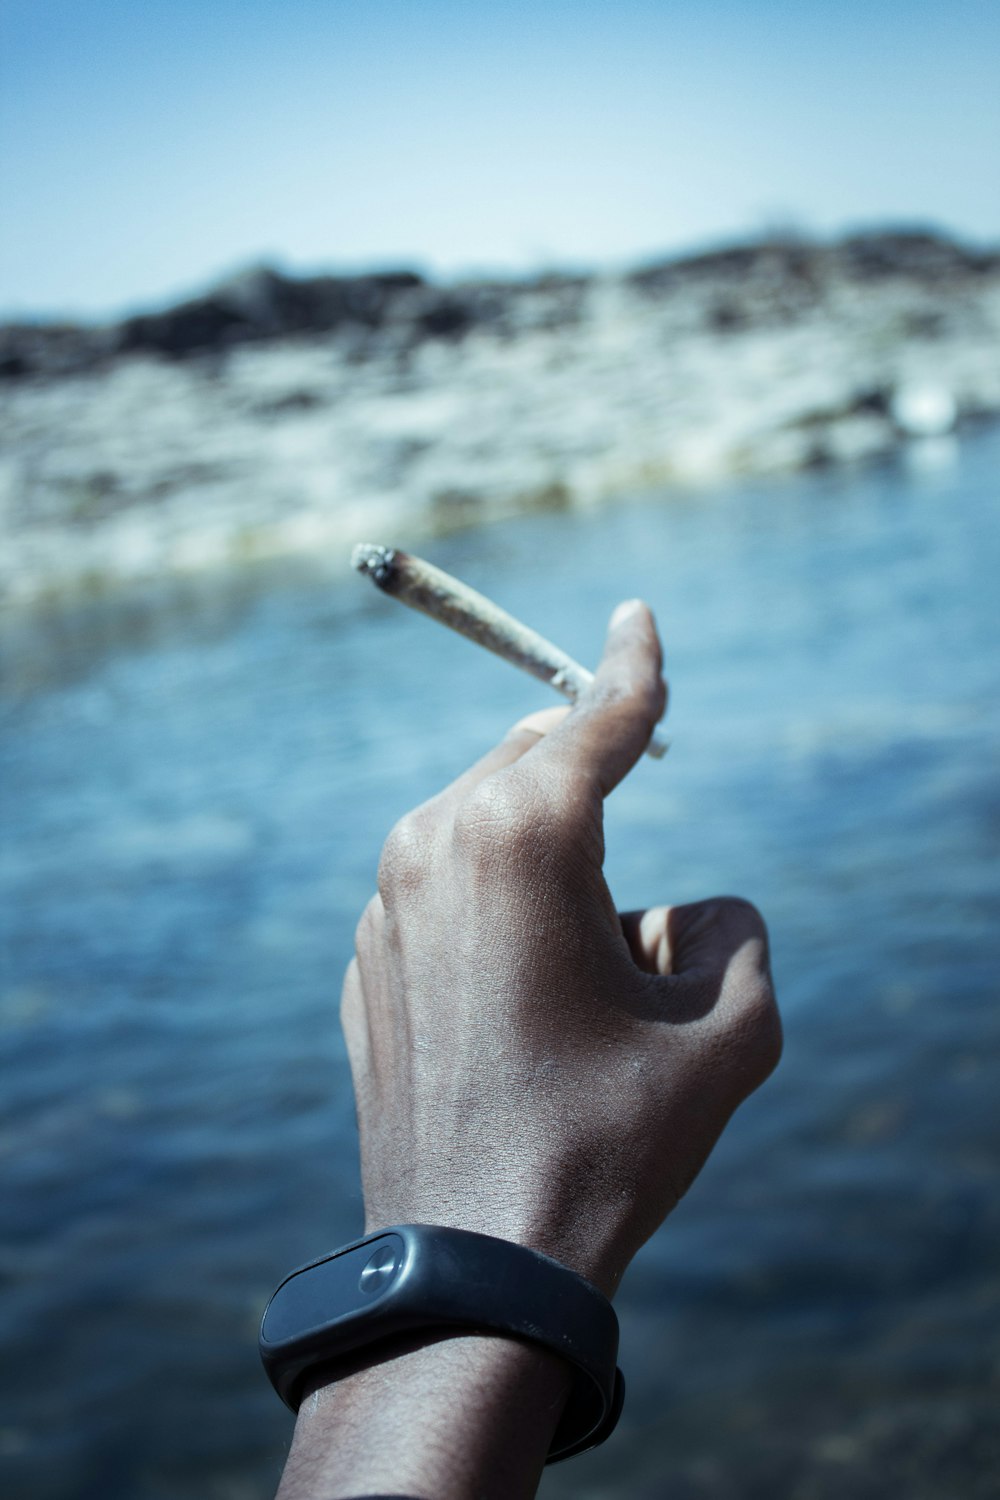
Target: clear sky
point(147, 146)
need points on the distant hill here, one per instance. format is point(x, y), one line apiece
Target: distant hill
point(754, 281)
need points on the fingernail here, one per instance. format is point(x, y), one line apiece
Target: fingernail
point(624, 611)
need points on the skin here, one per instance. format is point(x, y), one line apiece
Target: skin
point(530, 1064)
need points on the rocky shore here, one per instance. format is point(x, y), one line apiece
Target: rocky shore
point(276, 417)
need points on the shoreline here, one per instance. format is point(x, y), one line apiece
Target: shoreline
point(279, 419)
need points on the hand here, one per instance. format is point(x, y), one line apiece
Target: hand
point(526, 1062)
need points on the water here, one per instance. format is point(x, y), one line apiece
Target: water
point(195, 790)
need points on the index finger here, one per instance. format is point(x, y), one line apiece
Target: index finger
point(612, 723)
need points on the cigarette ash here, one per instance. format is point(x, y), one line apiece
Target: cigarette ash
point(376, 561)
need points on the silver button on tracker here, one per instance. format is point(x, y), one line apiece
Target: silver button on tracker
point(380, 1268)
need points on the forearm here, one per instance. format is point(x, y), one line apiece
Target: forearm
point(460, 1418)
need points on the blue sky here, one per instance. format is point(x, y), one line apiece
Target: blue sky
point(147, 146)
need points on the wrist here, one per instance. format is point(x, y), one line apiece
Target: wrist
point(577, 1237)
point(411, 1283)
point(459, 1415)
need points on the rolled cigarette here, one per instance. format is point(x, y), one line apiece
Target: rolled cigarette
point(434, 592)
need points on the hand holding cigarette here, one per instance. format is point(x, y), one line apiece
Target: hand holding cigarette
point(436, 593)
point(529, 1064)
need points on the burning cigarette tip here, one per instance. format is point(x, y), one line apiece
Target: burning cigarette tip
point(376, 561)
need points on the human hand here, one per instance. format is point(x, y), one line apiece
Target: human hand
point(526, 1062)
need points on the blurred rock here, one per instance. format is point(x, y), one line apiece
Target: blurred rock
point(261, 304)
point(278, 415)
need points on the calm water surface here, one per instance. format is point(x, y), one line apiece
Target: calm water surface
point(195, 791)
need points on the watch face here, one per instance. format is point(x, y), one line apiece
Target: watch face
point(335, 1288)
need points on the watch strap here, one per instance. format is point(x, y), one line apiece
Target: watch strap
point(416, 1277)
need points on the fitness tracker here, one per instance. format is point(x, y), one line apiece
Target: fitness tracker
point(415, 1277)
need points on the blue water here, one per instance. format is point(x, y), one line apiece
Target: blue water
point(195, 788)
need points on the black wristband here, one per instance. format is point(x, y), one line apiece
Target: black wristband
point(416, 1278)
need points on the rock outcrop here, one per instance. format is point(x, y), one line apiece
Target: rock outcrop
point(276, 415)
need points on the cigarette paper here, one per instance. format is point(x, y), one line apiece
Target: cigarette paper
point(434, 592)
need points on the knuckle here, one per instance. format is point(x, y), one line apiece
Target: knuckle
point(405, 855)
point(352, 1002)
point(349, 993)
point(502, 818)
point(365, 934)
point(491, 815)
